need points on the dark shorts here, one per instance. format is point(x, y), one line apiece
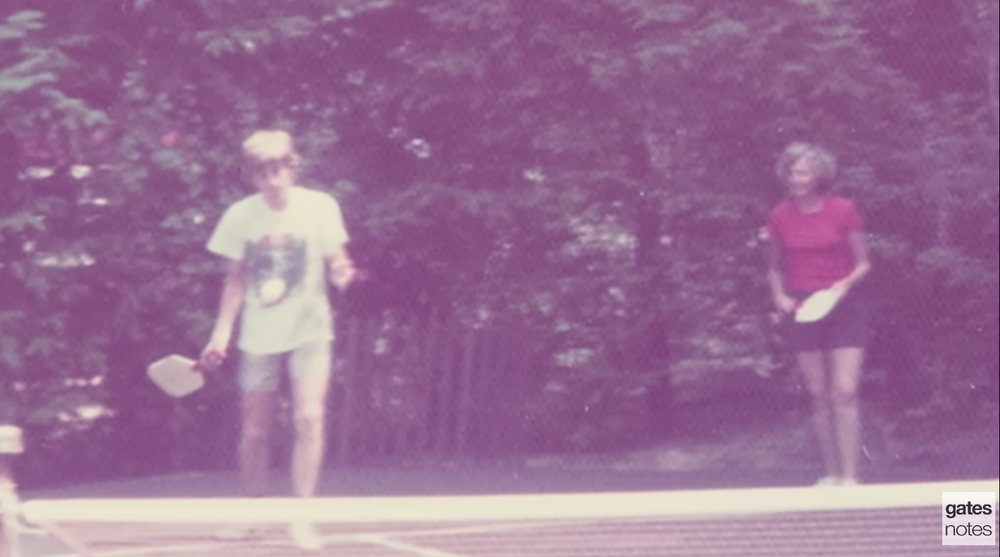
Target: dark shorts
point(847, 326)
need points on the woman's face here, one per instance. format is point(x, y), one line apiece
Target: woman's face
point(801, 178)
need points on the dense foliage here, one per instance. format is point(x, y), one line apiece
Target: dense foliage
point(594, 171)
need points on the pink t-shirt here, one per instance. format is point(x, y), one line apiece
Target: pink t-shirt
point(816, 249)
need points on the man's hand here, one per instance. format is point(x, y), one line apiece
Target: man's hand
point(341, 270)
point(213, 354)
point(342, 274)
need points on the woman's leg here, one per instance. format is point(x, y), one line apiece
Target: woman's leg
point(813, 367)
point(845, 366)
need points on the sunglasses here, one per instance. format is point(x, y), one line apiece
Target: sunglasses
point(270, 166)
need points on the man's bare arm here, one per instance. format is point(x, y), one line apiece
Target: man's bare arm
point(233, 291)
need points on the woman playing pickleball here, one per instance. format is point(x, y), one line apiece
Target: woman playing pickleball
point(817, 242)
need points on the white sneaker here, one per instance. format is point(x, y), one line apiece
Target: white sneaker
point(828, 481)
point(304, 536)
point(848, 482)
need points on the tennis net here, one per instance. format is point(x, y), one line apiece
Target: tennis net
point(857, 521)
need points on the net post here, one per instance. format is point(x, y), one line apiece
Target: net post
point(11, 445)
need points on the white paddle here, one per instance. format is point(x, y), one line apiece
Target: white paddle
point(817, 306)
point(176, 375)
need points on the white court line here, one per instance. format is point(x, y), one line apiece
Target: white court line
point(408, 548)
point(348, 510)
point(381, 538)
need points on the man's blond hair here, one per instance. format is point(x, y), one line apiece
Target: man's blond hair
point(265, 145)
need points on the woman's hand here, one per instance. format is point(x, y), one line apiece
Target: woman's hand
point(841, 287)
point(785, 303)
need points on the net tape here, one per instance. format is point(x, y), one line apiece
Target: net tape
point(667, 504)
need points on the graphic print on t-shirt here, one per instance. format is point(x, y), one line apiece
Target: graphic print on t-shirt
point(276, 267)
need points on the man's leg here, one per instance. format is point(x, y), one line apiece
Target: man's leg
point(813, 365)
point(258, 382)
point(846, 371)
point(255, 456)
point(310, 373)
point(310, 368)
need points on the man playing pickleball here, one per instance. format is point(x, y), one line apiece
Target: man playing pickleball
point(283, 244)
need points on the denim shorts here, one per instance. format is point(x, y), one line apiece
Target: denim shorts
point(848, 325)
point(261, 373)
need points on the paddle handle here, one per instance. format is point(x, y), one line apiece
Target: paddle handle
point(208, 362)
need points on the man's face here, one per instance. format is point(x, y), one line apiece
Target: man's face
point(273, 177)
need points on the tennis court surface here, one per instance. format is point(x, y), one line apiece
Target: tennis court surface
point(870, 520)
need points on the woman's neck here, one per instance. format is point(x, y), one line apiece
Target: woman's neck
point(809, 203)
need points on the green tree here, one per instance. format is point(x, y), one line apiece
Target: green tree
point(593, 171)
